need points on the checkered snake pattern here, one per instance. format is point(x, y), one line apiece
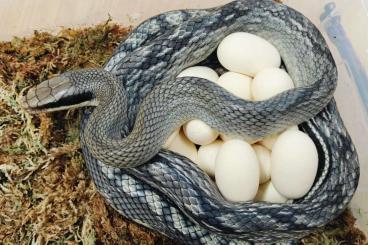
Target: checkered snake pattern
point(140, 102)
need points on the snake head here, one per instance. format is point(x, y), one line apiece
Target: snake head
point(69, 90)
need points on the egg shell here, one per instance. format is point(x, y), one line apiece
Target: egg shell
point(199, 132)
point(201, 72)
point(207, 156)
point(236, 83)
point(268, 193)
point(270, 82)
point(181, 145)
point(294, 161)
point(237, 171)
point(169, 140)
point(264, 159)
point(247, 53)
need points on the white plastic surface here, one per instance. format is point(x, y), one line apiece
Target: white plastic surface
point(344, 25)
point(349, 46)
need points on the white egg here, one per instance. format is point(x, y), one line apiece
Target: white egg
point(236, 83)
point(294, 160)
point(201, 72)
point(264, 159)
point(169, 140)
point(207, 156)
point(268, 193)
point(237, 171)
point(199, 132)
point(270, 82)
point(269, 141)
point(247, 53)
point(181, 145)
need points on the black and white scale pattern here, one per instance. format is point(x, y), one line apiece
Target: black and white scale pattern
point(162, 194)
point(170, 194)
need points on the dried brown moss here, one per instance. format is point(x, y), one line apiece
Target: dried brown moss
point(339, 231)
point(46, 195)
point(45, 192)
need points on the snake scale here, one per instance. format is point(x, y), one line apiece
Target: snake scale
point(135, 102)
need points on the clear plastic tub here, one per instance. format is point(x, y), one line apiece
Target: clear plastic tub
point(342, 22)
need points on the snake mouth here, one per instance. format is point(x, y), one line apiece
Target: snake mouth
point(56, 94)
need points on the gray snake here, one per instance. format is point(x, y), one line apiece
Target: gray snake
point(138, 101)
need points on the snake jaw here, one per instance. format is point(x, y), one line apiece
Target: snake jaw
point(56, 94)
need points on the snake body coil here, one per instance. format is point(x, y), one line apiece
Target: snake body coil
point(140, 102)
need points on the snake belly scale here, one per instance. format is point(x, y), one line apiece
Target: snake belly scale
point(138, 101)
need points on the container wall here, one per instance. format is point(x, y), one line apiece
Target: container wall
point(344, 25)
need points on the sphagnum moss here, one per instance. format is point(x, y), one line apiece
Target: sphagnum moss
point(46, 195)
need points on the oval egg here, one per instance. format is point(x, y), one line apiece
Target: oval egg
point(199, 132)
point(247, 53)
point(201, 72)
point(237, 171)
point(294, 160)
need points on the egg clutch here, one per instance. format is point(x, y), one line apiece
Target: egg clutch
point(275, 169)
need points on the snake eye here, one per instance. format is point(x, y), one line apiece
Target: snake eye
point(55, 94)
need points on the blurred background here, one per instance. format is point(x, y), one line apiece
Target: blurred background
point(342, 22)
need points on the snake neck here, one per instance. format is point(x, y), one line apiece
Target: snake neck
point(107, 134)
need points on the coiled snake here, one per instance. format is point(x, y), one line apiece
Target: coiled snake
point(136, 101)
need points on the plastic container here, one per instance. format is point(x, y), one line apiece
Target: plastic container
point(344, 25)
point(342, 22)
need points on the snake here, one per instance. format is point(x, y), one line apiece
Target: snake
point(133, 104)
